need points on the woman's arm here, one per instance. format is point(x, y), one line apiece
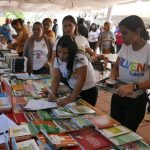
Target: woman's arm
point(55, 81)
point(81, 78)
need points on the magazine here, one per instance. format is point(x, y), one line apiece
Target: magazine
point(114, 131)
point(125, 138)
point(90, 139)
point(78, 108)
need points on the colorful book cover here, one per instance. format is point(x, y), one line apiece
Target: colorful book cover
point(78, 108)
point(62, 112)
point(125, 138)
point(44, 115)
point(137, 145)
point(19, 118)
point(5, 102)
point(20, 132)
point(101, 122)
point(90, 139)
point(28, 145)
point(47, 126)
point(32, 116)
point(66, 125)
point(81, 121)
point(59, 140)
point(114, 131)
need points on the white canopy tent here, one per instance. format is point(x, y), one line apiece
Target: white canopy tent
point(58, 5)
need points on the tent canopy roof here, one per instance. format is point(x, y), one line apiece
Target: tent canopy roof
point(59, 5)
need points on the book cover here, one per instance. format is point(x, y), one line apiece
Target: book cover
point(31, 116)
point(78, 108)
point(27, 145)
point(81, 121)
point(90, 139)
point(101, 122)
point(66, 125)
point(5, 102)
point(62, 112)
point(137, 145)
point(44, 115)
point(47, 126)
point(20, 132)
point(114, 131)
point(19, 118)
point(59, 140)
point(125, 138)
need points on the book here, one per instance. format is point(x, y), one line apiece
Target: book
point(59, 140)
point(137, 145)
point(20, 132)
point(5, 102)
point(101, 122)
point(27, 145)
point(66, 125)
point(125, 138)
point(47, 126)
point(81, 121)
point(78, 108)
point(44, 115)
point(114, 131)
point(90, 139)
point(62, 112)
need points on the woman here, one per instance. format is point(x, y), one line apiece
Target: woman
point(47, 25)
point(106, 39)
point(93, 36)
point(38, 50)
point(23, 35)
point(75, 67)
point(132, 66)
point(70, 28)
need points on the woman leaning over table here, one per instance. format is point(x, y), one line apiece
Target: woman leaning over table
point(75, 67)
point(132, 66)
point(38, 50)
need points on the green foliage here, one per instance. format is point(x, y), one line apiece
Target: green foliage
point(14, 14)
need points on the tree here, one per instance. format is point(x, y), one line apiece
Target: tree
point(14, 14)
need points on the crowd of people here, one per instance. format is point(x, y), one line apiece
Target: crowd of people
point(68, 60)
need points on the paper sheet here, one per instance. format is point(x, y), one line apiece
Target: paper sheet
point(40, 104)
point(5, 124)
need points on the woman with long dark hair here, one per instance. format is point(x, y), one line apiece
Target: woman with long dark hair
point(132, 66)
point(75, 67)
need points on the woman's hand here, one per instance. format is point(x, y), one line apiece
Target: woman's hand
point(63, 101)
point(50, 94)
point(125, 90)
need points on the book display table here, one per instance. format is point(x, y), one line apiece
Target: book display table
point(29, 121)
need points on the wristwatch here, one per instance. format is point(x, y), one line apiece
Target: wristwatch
point(136, 87)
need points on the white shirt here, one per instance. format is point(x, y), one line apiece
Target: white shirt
point(81, 42)
point(93, 36)
point(80, 61)
point(40, 53)
point(133, 65)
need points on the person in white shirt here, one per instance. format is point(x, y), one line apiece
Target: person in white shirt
point(70, 28)
point(133, 67)
point(93, 36)
point(76, 69)
point(38, 50)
